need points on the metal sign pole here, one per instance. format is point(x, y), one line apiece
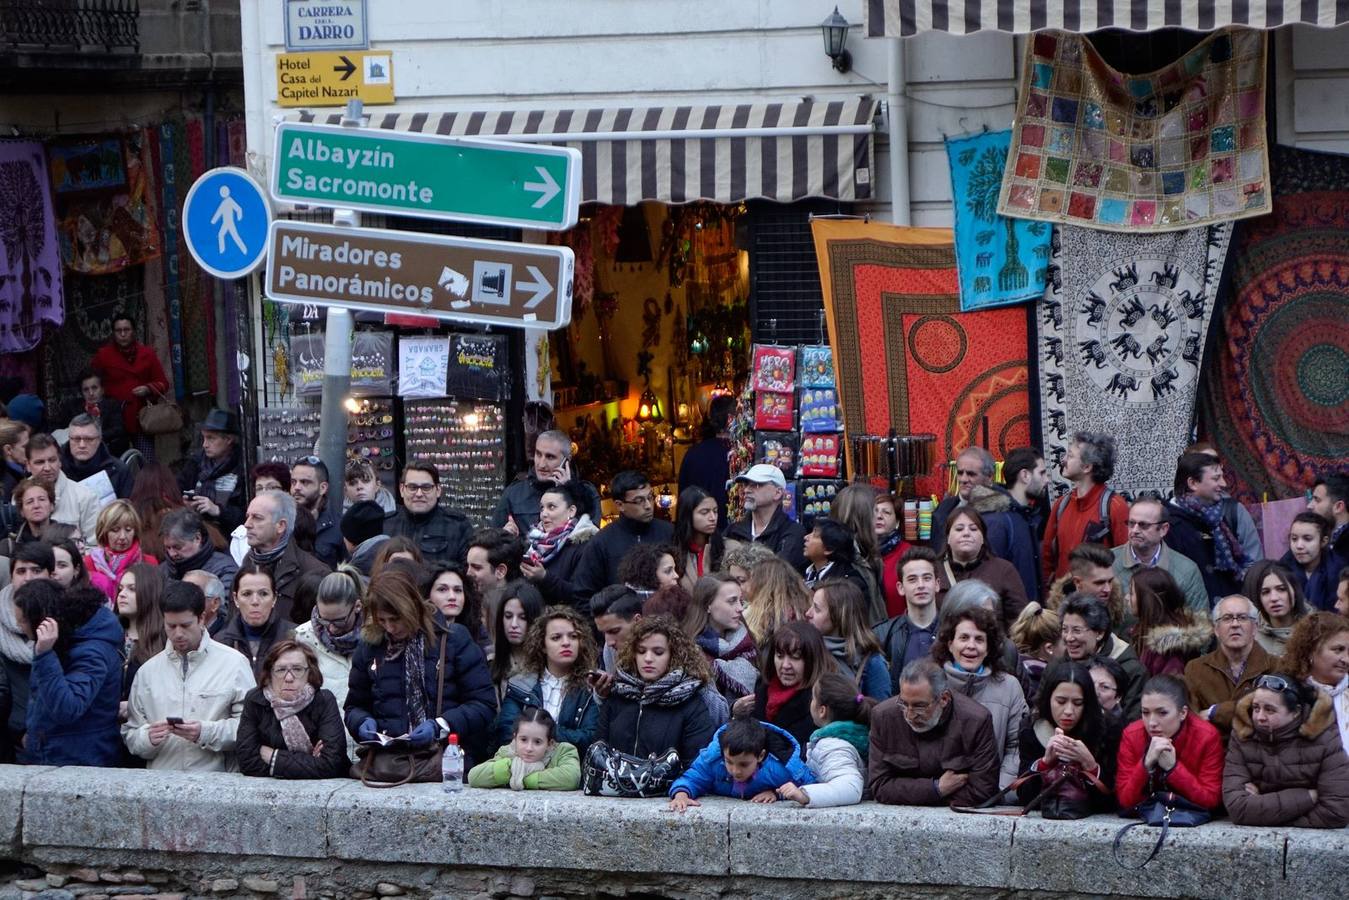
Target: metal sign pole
point(332, 448)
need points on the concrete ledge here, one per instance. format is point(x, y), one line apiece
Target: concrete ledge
point(214, 823)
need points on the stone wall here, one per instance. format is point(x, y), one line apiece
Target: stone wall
point(226, 835)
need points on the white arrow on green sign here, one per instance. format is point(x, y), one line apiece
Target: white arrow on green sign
point(428, 176)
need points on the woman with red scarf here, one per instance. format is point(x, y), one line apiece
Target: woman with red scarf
point(556, 545)
point(793, 660)
point(131, 373)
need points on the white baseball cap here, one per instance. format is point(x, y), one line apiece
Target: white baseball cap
point(763, 473)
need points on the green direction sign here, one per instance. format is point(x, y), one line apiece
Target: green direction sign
point(428, 176)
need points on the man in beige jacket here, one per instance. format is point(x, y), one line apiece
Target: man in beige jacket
point(186, 700)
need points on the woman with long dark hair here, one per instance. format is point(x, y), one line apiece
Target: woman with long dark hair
point(698, 543)
point(1167, 635)
point(1278, 599)
point(521, 603)
point(966, 555)
point(138, 605)
point(1069, 731)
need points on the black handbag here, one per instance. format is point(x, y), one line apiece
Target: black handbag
point(612, 773)
point(1164, 809)
point(399, 763)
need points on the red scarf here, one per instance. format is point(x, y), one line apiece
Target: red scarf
point(778, 697)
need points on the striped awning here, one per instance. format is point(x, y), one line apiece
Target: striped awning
point(900, 18)
point(678, 154)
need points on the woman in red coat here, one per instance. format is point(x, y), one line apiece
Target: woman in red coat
point(1169, 750)
point(131, 373)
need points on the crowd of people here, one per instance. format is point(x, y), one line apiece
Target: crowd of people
point(1081, 654)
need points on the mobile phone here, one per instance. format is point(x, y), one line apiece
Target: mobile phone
point(188, 495)
point(173, 721)
point(595, 675)
point(534, 557)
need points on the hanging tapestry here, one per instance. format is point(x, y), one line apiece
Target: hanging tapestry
point(905, 355)
point(1121, 338)
point(91, 302)
point(1171, 149)
point(107, 203)
point(30, 266)
point(1001, 260)
point(1276, 389)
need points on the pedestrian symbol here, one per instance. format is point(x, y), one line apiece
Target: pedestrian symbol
point(225, 220)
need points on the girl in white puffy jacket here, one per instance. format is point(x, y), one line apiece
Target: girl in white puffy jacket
point(837, 751)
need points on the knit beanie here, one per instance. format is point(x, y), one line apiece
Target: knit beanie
point(362, 521)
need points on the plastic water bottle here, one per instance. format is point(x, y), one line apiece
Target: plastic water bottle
point(452, 766)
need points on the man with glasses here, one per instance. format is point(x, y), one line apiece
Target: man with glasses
point(765, 522)
point(87, 462)
point(441, 534)
point(183, 712)
point(1217, 680)
point(636, 524)
point(102, 409)
point(917, 735)
point(309, 487)
point(1146, 549)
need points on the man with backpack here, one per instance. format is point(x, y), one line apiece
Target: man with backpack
point(1090, 512)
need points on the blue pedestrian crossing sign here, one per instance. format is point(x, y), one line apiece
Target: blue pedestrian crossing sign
point(225, 221)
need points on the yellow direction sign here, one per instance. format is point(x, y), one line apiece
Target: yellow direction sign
point(331, 79)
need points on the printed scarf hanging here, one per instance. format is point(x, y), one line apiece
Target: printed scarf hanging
point(31, 290)
point(106, 188)
point(1121, 339)
point(1001, 260)
point(1171, 149)
point(905, 356)
point(1276, 389)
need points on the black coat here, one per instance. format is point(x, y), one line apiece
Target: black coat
point(641, 730)
point(1105, 752)
point(233, 636)
point(520, 501)
point(793, 718)
point(441, 535)
point(560, 585)
point(259, 727)
point(376, 691)
point(109, 420)
point(103, 461)
point(1191, 536)
point(783, 536)
point(606, 550)
point(223, 483)
point(287, 573)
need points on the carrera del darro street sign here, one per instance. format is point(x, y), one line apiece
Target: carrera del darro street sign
point(428, 176)
point(460, 279)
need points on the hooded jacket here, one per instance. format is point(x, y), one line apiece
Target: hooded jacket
point(903, 765)
point(563, 575)
point(1000, 694)
point(1285, 767)
point(103, 461)
point(1009, 534)
point(322, 721)
point(376, 691)
point(708, 775)
point(209, 687)
point(72, 706)
point(576, 722)
point(1198, 773)
point(235, 635)
point(1211, 686)
point(1166, 649)
point(642, 729)
point(837, 758)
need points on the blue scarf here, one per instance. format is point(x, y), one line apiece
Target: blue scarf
point(1227, 553)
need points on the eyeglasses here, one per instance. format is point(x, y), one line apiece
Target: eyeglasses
point(342, 621)
point(81, 439)
point(1134, 523)
point(419, 487)
point(919, 709)
point(1233, 619)
point(1275, 683)
point(291, 671)
point(644, 500)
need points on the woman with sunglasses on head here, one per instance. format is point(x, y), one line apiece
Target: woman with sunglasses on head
point(291, 726)
point(334, 630)
point(1285, 765)
point(1318, 655)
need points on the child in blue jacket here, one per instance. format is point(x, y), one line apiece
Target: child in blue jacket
point(746, 759)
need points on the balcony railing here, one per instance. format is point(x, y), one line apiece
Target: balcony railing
point(69, 25)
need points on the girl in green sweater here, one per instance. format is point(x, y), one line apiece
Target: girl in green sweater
point(533, 760)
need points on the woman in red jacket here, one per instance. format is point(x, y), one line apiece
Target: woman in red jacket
point(131, 373)
point(1169, 750)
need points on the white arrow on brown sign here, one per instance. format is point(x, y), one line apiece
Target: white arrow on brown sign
point(453, 278)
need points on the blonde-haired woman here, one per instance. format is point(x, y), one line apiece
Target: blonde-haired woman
point(118, 537)
point(776, 594)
